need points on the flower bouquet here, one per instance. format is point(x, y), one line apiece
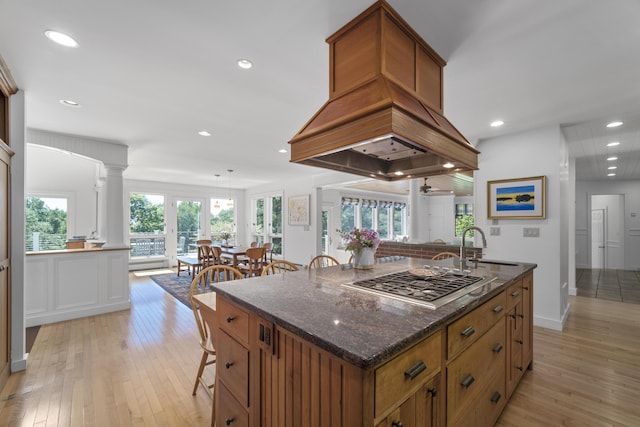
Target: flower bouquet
point(363, 242)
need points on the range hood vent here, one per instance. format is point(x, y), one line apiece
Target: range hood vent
point(384, 115)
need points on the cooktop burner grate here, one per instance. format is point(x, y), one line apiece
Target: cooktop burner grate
point(427, 290)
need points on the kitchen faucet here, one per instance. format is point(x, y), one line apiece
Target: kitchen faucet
point(463, 250)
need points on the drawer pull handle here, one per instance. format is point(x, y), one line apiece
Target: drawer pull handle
point(519, 341)
point(515, 294)
point(228, 421)
point(230, 319)
point(1, 267)
point(468, 332)
point(526, 288)
point(496, 397)
point(432, 391)
point(228, 365)
point(519, 368)
point(413, 371)
point(467, 381)
point(397, 424)
point(521, 316)
point(498, 309)
point(497, 348)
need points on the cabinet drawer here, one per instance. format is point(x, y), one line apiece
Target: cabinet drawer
point(405, 373)
point(514, 294)
point(232, 367)
point(229, 412)
point(233, 320)
point(466, 330)
point(478, 367)
point(485, 409)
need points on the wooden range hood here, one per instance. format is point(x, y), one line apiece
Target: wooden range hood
point(384, 115)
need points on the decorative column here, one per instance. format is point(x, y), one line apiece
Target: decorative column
point(115, 207)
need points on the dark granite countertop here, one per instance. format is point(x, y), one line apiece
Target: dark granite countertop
point(359, 327)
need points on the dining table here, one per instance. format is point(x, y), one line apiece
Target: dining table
point(233, 253)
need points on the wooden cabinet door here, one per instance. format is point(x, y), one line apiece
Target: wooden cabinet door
point(527, 325)
point(421, 409)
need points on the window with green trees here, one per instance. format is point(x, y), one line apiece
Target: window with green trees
point(464, 218)
point(146, 225)
point(223, 222)
point(46, 223)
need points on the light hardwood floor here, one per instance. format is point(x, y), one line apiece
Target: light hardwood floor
point(137, 368)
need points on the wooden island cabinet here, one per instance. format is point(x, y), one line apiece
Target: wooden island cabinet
point(461, 372)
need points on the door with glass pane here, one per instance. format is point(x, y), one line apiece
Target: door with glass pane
point(188, 224)
point(326, 226)
point(275, 225)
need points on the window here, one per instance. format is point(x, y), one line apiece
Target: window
point(367, 213)
point(223, 221)
point(266, 224)
point(46, 223)
point(348, 216)
point(384, 220)
point(464, 218)
point(147, 234)
point(387, 217)
point(399, 219)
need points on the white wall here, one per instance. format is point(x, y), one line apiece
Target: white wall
point(533, 153)
point(631, 228)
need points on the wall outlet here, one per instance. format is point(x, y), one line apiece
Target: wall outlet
point(494, 231)
point(531, 232)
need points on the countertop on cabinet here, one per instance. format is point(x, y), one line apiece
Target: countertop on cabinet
point(75, 251)
point(361, 328)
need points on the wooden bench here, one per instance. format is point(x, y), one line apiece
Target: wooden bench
point(192, 264)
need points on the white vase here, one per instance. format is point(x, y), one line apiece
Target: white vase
point(365, 259)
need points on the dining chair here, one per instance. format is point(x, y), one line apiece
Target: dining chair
point(217, 256)
point(445, 255)
point(254, 264)
point(253, 245)
point(201, 283)
point(206, 256)
point(321, 261)
point(268, 252)
point(279, 266)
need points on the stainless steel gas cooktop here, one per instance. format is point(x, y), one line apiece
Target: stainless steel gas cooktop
point(426, 287)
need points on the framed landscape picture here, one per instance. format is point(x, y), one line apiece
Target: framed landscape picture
point(299, 210)
point(521, 198)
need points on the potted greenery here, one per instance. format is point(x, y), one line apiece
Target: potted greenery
point(225, 235)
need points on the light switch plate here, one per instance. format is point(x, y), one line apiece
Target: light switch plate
point(494, 231)
point(531, 232)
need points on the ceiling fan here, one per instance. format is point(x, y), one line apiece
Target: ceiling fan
point(428, 190)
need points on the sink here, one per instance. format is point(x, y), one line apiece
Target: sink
point(512, 264)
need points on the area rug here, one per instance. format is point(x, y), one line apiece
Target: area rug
point(178, 286)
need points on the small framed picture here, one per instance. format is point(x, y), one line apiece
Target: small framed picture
point(299, 210)
point(520, 198)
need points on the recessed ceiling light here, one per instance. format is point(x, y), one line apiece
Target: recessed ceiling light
point(282, 150)
point(448, 165)
point(611, 174)
point(497, 123)
point(612, 158)
point(614, 124)
point(613, 144)
point(398, 173)
point(245, 64)
point(69, 103)
point(60, 38)
point(612, 167)
point(204, 133)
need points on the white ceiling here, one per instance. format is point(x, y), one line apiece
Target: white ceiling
point(150, 74)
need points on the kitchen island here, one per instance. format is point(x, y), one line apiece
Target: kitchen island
point(300, 348)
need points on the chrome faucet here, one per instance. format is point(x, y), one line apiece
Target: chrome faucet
point(463, 250)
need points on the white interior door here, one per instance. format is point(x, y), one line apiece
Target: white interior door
point(597, 238)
